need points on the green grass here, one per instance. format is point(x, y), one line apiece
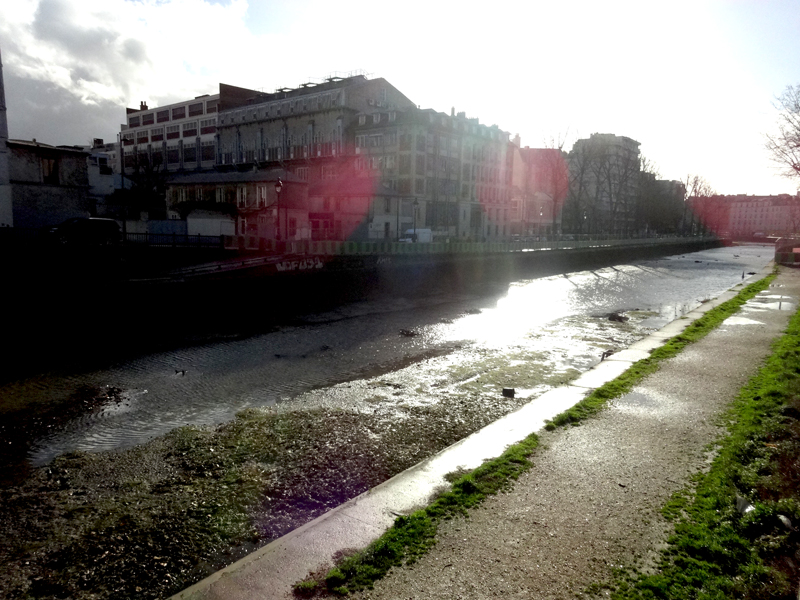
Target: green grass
point(412, 536)
point(623, 384)
point(716, 552)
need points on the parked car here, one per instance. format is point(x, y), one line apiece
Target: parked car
point(83, 231)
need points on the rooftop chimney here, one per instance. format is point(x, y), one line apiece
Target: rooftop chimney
point(143, 106)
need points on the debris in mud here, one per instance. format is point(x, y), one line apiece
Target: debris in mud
point(408, 333)
point(150, 521)
point(618, 317)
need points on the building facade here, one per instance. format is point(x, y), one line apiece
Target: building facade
point(604, 182)
point(451, 174)
point(749, 216)
point(540, 187)
point(48, 184)
point(375, 164)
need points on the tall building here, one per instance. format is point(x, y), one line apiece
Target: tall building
point(177, 137)
point(376, 165)
point(748, 216)
point(451, 173)
point(604, 178)
point(540, 184)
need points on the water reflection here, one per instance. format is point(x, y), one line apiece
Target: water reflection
point(456, 342)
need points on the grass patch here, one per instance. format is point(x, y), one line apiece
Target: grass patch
point(623, 384)
point(412, 536)
point(717, 551)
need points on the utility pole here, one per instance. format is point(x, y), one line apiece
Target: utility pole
point(6, 207)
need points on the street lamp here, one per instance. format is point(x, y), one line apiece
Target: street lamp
point(278, 188)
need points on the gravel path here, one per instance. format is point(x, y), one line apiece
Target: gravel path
point(592, 501)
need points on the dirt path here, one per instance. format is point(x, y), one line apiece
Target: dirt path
point(592, 501)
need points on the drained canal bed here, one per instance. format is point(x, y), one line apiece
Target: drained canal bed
point(328, 408)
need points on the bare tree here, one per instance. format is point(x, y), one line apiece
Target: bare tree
point(784, 146)
point(696, 202)
point(579, 206)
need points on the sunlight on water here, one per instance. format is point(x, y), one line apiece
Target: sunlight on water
point(528, 305)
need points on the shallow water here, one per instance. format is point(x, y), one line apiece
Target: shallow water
point(383, 354)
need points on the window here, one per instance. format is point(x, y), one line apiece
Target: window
point(157, 134)
point(190, 129)
point(376, 118)
point(387, 205)
point(207, 151)
point(392, 117)
point(141, 136)
point(302, 173)
point(133, 122)
point(208, 126)
point(173, 155)
point(127, 138)
point(241, 197)
point(220, 194)
point(162, 116)
point(261, 196)
point(195, 109)
point(173, 132)
point(362, 119)
point(179, 113)
point(148, 119)
point(212, 106)
point(50, 171)
point(189, 153)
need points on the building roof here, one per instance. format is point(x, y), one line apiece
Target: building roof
point(34, 144)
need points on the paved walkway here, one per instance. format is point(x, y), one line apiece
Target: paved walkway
point(591, 501)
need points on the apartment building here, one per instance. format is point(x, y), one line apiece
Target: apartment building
point(177, 137)
point(540, 184)
point(449, 173)
point(745, 216)
point(604, 178)
point(306, 129)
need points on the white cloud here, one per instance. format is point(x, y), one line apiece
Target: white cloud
point(665, 74)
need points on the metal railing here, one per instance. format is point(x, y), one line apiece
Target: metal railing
point(174, 240)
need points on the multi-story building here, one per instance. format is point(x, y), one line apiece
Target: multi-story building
point(748, 216)
point(376, 165)
point(540, 186)
point(604, 179)
point(180, 136)
point(307, 129)
point(450, 173)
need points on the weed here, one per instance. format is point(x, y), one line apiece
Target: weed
point(412, 536)
point(716, 552)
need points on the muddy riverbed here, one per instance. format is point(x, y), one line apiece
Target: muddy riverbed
point(156, 482)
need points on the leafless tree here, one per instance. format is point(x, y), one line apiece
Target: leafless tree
point(784, 145)
point(696, 202)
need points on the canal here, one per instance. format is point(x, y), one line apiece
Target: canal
point(447, 342)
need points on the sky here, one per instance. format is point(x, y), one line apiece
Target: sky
point(695, 82)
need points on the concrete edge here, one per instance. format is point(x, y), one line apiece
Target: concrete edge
point(507, 426)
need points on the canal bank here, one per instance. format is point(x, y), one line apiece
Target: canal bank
point(591, 502)
point(115, 513)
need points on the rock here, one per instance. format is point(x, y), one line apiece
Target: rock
point(743, 506)
point(508, 392)
point(618, 317)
